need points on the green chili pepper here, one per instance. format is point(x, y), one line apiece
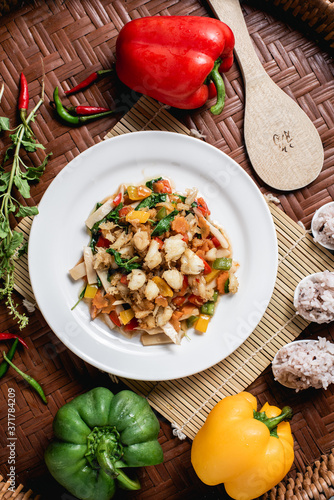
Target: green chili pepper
point(164, 224)
point(191, 321)
point(4, 365)
point(34, 384)
point(208, 308)
point(162, 213)
point(74, 120)
point(223, 264)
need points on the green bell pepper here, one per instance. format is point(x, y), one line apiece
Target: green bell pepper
point(98, 434)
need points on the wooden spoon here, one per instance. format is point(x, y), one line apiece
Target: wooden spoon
point(283, 145)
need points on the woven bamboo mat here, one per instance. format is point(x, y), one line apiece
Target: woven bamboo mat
point(73, 38)
point(187, 402)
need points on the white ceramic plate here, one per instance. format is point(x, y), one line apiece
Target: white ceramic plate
point(58, 235)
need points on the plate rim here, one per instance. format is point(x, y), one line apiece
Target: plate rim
point(104, 144)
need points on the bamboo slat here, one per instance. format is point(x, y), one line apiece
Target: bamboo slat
point(186, 402)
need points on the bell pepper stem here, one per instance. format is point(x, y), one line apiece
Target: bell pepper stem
point(272, 422)
point(105, 455)
point(218, 81)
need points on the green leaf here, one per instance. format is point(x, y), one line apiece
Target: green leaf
point(151, 200)
point(23, 186)
point(126, 265)
point(31, 146)
point(4, 227)
point(4, 123)
point(23, 250)
point(150, 183)
point(15, 242)
point(164, 224)
point(4, 181)
point(7, 153)
point(26, 211)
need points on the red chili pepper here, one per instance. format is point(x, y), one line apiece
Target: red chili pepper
point(207, 268)
point(86, 110)
point(203, 207)
point(93, 77)
point(7, 336)
point(117, 200)
point(24, 94)
point(131, 325)
point(114, 318)
point(103, 242)
point(174, 58)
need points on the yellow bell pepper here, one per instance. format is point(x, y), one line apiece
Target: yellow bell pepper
point(138, 193)
point(202, 323)
point(138, 215)
point(90, 291)
point(126, 316)
point(211, 276)
point(164, 289)
point(249, 451)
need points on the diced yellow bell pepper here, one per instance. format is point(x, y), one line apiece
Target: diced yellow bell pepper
point(139, 215)
point(138, 193)
point(201, 324)
point(90, 291)
point(211, 276)
point(126, 316)
point(164, 289)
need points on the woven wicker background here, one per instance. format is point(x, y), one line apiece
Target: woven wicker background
point(73, 38)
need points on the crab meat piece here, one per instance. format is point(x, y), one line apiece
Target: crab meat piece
point(174, 278)
point(153, 257)
point(141, 240)
point(163, 316)
point(152, 290)
point(137, 279)
point(174, 247)
point(191, 263)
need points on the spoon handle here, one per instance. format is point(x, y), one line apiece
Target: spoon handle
point(229, 11)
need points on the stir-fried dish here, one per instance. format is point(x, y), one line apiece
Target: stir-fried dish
point(156, 264)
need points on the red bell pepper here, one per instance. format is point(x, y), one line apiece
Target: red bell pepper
point(174, 58)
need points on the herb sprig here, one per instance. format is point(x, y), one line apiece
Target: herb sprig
point(20, 176)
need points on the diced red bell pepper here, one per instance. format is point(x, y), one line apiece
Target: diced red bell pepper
point(215, 241)
point(131, 325)
point(207, 268)
point(184, 286)
point(203, 207)
point(114, 318)
point(124, 279)
point(117, 200)
point(103, 242)
point(185, 238)
point(196, 300)
point(161, 243)
point(179, 301)
point(124, 211)
point(162, 186)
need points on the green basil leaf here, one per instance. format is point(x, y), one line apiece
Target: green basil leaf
point(164, 224)
point(149, 184)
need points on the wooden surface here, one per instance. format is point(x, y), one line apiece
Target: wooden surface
point(282, 143)
point(73, 38)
